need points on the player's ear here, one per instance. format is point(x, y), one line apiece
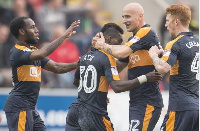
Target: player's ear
point(107, 39)
point(21, 31)
point(177, 21)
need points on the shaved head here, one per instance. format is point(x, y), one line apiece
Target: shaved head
point(133, 17)
point(134, 7)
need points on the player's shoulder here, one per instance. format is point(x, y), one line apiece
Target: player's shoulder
point(146, 32)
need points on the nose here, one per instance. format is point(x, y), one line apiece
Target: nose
point(36, 30)
point(166, 25)
point(124, 20)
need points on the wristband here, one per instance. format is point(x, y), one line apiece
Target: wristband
point(142, 79)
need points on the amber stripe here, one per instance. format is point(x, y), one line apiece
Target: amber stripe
point(22, 121)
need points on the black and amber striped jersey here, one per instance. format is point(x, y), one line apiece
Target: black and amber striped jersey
point(140, 63)
point(26, 76)
point(97, 69)
point(182, 54)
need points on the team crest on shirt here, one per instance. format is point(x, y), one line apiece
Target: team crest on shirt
point(114, 70)
point(26, 50)
point(167, 52)
point(134, 39)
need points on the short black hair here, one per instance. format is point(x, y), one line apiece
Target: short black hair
point(112, 26)
point(16, 24)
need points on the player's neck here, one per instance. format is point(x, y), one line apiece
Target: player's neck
point(181, 29)
point(24, 43)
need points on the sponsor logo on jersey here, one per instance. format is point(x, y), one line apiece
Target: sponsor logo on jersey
point(114, 70)
point(167, 52)
point(134, 39)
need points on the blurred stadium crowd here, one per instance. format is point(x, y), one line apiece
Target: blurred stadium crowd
point(52, 17)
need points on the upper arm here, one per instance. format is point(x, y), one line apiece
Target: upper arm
point(37, 55)
point(121, 65)
point(143, 39)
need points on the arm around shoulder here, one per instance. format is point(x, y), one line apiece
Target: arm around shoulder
point(118, 51)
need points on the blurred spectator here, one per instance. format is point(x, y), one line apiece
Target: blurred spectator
point(67, 52)
point(164, 35)
point(19, 8)
point(13, 9)
point(89, 24)
point(194, 25)
point(5, 71)
point(4, 33)
point(0, 119)
point(49, 16)
point(36, 4)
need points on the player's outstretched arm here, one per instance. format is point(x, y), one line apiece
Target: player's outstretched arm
point(49, 48)
point(121, 86)
point(118, 51)
point(59, 68)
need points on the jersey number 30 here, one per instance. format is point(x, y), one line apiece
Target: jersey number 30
point(89, 85)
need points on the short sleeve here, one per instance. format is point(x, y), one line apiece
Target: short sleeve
point(110, 68)
point(170, 54)
point(125, 60)
point(143, 39)
point(44, 62)
point(18, 56)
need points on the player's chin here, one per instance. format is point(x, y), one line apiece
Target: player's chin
point(35, 41)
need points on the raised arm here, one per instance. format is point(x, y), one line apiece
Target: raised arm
point(121, 86)
point(118, 51)
point(59, 68)
point(49, 48)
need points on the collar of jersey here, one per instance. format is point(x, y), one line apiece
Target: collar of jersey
point(146, 25)
point(185, 33)
point(24, 48)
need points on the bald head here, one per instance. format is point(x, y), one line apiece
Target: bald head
point(135, 8)
point(133, 17)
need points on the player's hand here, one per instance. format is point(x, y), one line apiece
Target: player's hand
point(70, 31)
point(154, 51)
point(98, 41)
point(153, 76)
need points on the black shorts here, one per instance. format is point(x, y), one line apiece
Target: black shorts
point(181, 121)
point(25, 121)
point(80, 118)
point(143, 118)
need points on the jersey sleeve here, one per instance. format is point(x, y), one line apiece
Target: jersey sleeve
point(143, 39)
point(17, 56)
point(125, 60)
point(110, 68)
point(44, 62)
point(170, 53)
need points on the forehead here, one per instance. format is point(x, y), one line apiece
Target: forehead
point(29, 22)
point(169, 16)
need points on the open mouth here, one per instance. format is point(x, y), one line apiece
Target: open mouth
point(37, 37)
